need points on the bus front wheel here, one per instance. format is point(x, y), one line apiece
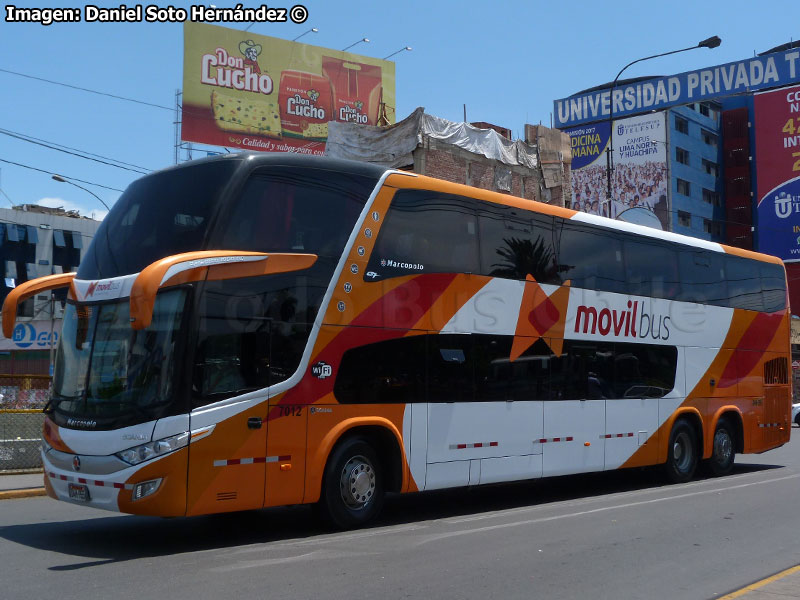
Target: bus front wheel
point(681, 452)
point(352, 492)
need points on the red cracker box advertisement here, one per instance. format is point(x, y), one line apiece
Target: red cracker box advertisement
point(242, 90)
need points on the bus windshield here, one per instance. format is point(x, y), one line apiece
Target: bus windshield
point(159, 215)
point(246, 333)
point(110, 375)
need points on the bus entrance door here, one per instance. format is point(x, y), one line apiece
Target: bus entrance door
point(227, 458)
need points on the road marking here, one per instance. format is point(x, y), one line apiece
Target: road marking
point(762, 583)
point(440, 536)
point(336, 538)
point(616, 495)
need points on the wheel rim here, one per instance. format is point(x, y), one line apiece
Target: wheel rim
point(682, 452)
point(357, 482)
point(723, 446)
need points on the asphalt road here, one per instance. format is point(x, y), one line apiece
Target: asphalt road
point(615, 535)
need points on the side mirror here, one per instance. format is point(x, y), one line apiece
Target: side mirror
point(27, 289)
point(211, 265)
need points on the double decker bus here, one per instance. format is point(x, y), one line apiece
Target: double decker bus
point(258, 330)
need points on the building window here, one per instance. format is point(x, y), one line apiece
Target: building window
point(709, 138)
point(712, 227)
point(684, 219)
point(710, 167)
point(684, 188)
point(58, 239)
point(682, 156)
point(681, 125)
point(67, 249)
point(710, 110)
point(711, 197)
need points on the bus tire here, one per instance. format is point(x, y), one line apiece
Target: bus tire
point(723, 451)
point(353, 486)
point(681, 452)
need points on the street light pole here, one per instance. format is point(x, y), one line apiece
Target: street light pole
point(60, 179)
point(709, 43)
point(365, 40)
point(312, 30)
point(403, 49)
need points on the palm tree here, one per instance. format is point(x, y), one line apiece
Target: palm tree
point(525, 257)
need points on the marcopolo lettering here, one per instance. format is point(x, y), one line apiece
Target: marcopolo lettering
point(389, 262)
point(633, 322)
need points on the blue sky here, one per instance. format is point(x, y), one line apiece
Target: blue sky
point(507, 61)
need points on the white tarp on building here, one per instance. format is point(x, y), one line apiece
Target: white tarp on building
point(392, 146)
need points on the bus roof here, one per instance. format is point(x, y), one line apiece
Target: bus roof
point(258, 159)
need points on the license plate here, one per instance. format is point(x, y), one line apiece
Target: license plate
point(78, 492)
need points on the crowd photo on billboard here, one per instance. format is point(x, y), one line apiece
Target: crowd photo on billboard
point(638, 176)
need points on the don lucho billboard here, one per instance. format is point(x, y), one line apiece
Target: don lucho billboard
point(242, 90)
point(639, 179)
point(777, 124)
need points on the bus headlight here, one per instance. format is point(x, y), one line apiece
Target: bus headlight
point(139, 454)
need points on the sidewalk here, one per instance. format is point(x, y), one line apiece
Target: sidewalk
point(785, 584)
point(22, 485)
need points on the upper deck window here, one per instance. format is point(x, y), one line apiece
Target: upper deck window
point(159, 215)
point(426, 232)
point(294, 209)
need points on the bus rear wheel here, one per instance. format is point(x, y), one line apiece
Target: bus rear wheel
point(724, 450)
point(352, 492)
point(681, 452)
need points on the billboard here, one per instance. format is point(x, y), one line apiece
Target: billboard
point(639, 181)
point(757, 73)
point(777, 127)
point(242, 90)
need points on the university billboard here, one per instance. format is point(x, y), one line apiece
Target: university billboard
point(757, 73)
point(639, 180)
point(777, 133)
point(243, 90)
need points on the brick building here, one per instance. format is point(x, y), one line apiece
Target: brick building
point(537, 168)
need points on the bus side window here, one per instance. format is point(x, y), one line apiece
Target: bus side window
point(451, 368)
point(515, 247)
point(426, 232)
point(591, 259)
point(744, 283)
point(773, 285)
point(703, 277)
point(388, 372)
point(651, 270)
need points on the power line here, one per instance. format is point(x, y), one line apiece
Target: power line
point(99, 93)
point(198, 113)
point(97, 160)
point(7, 196)
point(30, 137)
point(66, 177)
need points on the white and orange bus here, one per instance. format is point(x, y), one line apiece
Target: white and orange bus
point(259, 330)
